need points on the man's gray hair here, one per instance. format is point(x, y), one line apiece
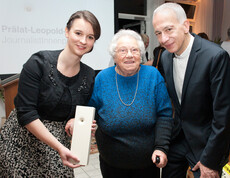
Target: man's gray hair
point(176, 8)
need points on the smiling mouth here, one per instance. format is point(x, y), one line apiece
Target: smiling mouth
point(81, 47)
point(168, 46)
point(129, 62)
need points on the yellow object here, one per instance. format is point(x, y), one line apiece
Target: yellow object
point(227, 169)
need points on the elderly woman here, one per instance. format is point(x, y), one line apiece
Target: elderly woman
point(134, 112)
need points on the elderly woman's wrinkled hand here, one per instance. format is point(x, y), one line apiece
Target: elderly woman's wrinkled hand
point(94, 127)
point(163, 158)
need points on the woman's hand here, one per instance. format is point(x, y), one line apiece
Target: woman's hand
point(162, 156)
point(69, 127)
point(68, 158)
point(38, 129)
point(94, 128)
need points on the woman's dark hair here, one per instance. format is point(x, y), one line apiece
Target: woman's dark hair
point(89, 17)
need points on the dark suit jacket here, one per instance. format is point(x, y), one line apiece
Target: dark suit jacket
point(204, 112)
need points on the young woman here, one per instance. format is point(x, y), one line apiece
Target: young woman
point(33, 141)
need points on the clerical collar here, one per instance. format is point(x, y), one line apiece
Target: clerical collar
point(187, 51)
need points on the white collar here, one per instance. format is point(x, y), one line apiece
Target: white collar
point(187, 51)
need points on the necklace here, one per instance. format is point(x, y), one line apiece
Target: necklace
point(134, 94)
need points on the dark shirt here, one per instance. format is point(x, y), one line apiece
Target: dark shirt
point(45, 93)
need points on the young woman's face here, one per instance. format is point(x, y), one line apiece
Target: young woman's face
point(80, 37)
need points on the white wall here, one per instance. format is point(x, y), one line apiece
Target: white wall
point(27, 26)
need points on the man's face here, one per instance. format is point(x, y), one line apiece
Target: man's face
point(170, 32)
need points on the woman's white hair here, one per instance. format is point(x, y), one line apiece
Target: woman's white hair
point(176, 8)
point(122, 33)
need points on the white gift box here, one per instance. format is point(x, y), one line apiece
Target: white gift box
point(81, 138)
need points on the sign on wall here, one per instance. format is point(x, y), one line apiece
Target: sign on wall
point(28, 26)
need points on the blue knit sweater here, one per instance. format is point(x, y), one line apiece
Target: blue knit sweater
point(126, 135)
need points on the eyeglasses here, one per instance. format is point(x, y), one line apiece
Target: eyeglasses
point(124, 51)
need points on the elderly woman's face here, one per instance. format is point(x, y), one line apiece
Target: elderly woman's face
point(127, 56)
